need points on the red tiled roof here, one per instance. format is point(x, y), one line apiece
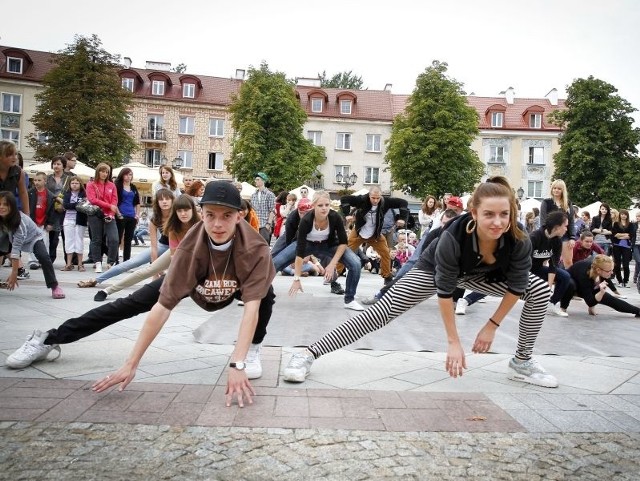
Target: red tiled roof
point(514, 114)
point(34, 68)
point(369, 104)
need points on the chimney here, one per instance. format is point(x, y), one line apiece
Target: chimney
point(510, 95)
point(127, 62)
point(388, 87)
point(308, 82)
point(552, 96)
point(151, 65)
point(239, 74)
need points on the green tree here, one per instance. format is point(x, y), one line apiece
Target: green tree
point(598, 157)
point(429, 148)
point(83, 106)
point(342, 80)
point(180, 68)
point(268, 122)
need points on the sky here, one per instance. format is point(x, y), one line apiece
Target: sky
point(532, 46)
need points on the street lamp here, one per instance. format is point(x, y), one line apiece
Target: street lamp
point(347, 180)
point(520, 193)
point(177, 163)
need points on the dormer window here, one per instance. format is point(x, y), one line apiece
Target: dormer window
point(535, 121)
point(189, 91)
point(157, 87)
point(316, 104)
point(497, 119)
point(128, 84)
point(345, 107)
point(14, 65)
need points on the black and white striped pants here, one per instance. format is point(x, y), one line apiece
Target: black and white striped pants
point(417, 286)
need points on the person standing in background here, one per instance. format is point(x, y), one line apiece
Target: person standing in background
point(264, 202)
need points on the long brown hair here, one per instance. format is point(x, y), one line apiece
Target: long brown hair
point(425, 205)
point(173, 185)
point(498, 186)
point(158, 213)
point(173, 225)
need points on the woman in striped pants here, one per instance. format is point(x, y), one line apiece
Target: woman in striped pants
point(483, 251)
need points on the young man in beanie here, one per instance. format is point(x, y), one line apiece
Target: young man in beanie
point(221, 258)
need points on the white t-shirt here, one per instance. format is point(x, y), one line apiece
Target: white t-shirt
point(369, 228)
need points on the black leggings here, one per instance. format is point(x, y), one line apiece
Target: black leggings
point(621, 260)
point(608, 300)
point(136, 303)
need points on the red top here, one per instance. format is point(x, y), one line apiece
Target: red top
point(103, 195)
point(40, 213)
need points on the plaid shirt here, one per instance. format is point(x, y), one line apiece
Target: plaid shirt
point(263, 202)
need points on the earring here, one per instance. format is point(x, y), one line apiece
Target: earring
point(471, 226)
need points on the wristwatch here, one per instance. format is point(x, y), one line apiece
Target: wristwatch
point(238, 365)
point(296, 278)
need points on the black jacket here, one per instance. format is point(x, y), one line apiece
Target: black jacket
point(548, 206)
point(81, 219)
point(585, 286)
point(455, 254)
point(544, 248)
point(337, 232)
point(363, 206)
point(49, 217)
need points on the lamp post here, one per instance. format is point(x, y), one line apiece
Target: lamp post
point(520, 193)
point(177, 163)
point(347, 180)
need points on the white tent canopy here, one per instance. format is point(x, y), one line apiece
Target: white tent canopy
point(296, 191)
point(529, 204)
point(81, 169)
point(593, 209)
point(247, 190)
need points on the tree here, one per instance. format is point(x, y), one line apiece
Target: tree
point(342, 80)
point(598, 157)
point(429, 148)
point(268, 121)
point(83, 106)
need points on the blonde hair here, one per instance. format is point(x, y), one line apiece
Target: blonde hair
point(564, 199)
point(319, 194)
point(7, 148)
point(102, 167)
point(615, 216)
point(498, 186)
point(599, 262)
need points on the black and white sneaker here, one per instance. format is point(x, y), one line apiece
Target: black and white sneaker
point(23, 274)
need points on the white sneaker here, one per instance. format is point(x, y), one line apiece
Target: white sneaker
point(299, 366)
point(98, 268)
point(461, 307)
point(241, 303)
point(253, 367)
point(557, 310)
point(34, 349)
point(354, 306)
point(531, 372)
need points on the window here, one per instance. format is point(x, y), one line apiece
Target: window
point(536, 155)
point(315, 136)
point(157, 87)
point(12, 135)
point(216, 161)
point(187, 125)
point(14, 65)
point(189, 90)
point(343, 141)
point(187, 158)
point(216, 127)
point(534, 188)
point(373, 143)
point(535, 121)
point(11, 103)
point(345, 170)
point(153, 158)
point(496, 119)
point(496, 154)
point(155, 125)
point(371, 175)
point(345, 107)
point(316, 104)
point(128, 83)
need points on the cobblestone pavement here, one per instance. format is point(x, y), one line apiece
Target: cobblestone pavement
point(80, 451)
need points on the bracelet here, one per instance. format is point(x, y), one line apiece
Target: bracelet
point(494, 322)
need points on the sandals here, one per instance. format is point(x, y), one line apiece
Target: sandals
point(67, 268)
point(89, 283)
point(81, 268)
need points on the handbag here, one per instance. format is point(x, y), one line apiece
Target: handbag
point(85, 207)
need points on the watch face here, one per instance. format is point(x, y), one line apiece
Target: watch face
point(238, 365)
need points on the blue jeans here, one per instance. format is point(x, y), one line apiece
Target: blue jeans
point(141, 259)
point(562, 281)
point(474, 297)
point(349, 259)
